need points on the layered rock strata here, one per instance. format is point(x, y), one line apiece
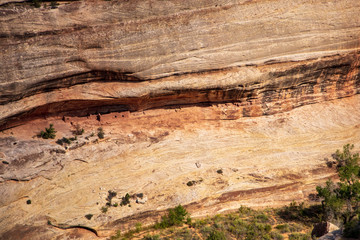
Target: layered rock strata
point(269, 56)
point(265, 161)
point(188, 88)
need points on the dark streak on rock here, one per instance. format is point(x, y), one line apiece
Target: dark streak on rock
point(65, 226)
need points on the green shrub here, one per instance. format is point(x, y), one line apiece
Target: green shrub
point(352, 229)
point(54, 4)
point(78, 130)
point(299, 236)
point(216, 235)
point(138, 227)
point(48, 133)
point(244, 210)
point(175, 217)
point(183, 234)
point(283, 228)
point(101, 133)
point(151, 237)
point(199, 223)
point(116, 236)
point(36, 3)
point(66, 140)
point(276, 236)
point(340, 200)
point(296, 227)
point(89, 216)
point(73, 138)
point(104, 209)
point(300, 213)
point(125, 200)
point(258, 231)
point(206, 230)
point(262, 218)
point(190, 183)
point(111, 195)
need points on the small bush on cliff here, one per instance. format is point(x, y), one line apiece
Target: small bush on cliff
point(78, 130)
point(151, 237)
point(125, 200)
point(54, 4)
point(111, 195)
point(175, 217)
point(104, 209)
point(216, 235)
point(36, 3)
point(101, 133)
point(341, 201)
point(48, 133)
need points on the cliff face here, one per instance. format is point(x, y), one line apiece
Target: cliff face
point(269, 56)
point(262, 89)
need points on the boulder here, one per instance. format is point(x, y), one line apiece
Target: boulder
point(323, 228)
point(334, 235)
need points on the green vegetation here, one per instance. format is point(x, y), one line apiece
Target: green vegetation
point(89, 216)
point(193, 182)
point(116, 236)
point(308, 215)
point(299, 236)
point(341, 201)
point(104, 209)
point(111, 195)
point(246, 224)
point(138, 227)
point(28, 201)
point(36, 3)
point(216, 235)
point(175, 217)
point(190, 183)
point(125, 200)
point(65, 140)
point(54, 4)
point(78, 130)
point(149, 237)
point(49, 132)
point(101, 133)
point(283, 228)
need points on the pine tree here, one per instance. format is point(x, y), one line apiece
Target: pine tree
point(341, 201)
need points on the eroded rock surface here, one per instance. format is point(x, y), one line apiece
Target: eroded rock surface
point(265, 161)
point(262, 90)
point(91, 56)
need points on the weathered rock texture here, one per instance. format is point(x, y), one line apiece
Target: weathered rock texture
point(130, 55)
point(323, 228)
point(190, 87)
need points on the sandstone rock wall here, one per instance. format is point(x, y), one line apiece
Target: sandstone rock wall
point(90, 56)
point(238, 66)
